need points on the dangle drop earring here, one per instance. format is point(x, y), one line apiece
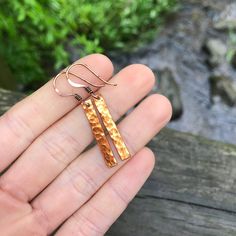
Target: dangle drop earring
point(98, 116)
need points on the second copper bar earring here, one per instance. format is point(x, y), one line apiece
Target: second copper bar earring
point(98, 133)
point(94, 105)
point(98, 116)
point(110, 126)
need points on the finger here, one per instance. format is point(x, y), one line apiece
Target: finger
point(86, 174)
point(30, 117)
point(67, 138)
point(100, 212)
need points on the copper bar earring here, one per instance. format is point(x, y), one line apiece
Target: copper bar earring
point(106, 118)
point(111, 128)
point(91, 114)
point(94, 107)
point(98, 133)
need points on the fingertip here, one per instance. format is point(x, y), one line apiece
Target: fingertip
point(149, 156)
point(161, 108)
point(142, 73)
point(144, 161)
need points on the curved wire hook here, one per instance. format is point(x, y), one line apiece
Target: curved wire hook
point(77, 85)
point(87, 88)
point(90, 70)
point(73, 84)
point(57, 90)
point(67, 72)
point(75, 95)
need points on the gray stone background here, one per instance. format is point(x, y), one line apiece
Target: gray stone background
point(194, 58)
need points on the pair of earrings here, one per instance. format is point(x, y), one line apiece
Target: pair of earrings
point(97, 114)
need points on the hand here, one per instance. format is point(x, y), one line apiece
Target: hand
point(51, 182)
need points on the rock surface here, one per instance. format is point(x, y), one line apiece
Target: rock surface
point(233, 60)
point(8, 99)
point(225, 88)
point(168, 87)
point(179, 47)
point(217, 51)
point(227, 19)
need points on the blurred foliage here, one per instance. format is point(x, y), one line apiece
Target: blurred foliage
point(231, 45)
point(37, 35)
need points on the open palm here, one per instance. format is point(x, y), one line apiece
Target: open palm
point(53, 182)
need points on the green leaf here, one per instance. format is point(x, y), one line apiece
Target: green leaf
point(37, 36)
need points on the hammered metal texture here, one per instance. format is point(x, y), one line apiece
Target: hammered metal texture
point(111, 128)
point(98, 133)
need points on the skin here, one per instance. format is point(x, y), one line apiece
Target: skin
point(52, 183)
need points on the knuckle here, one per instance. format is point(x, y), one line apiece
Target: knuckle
point(86, 226)
point(54, 143)
point(54, 150)
point(17, 125)
point(82, 182)
point(120, 193)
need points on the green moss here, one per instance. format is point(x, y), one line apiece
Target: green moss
point(35, 35)
point(231, 45)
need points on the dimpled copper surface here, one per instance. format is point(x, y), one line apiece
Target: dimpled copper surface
point(98, 133)
point(111, 128)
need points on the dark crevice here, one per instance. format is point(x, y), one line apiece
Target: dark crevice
point(186, 202)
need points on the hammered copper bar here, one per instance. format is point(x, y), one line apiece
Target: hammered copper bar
point(98, 133)
point(111, 128)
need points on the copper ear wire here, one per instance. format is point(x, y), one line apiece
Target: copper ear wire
point(77, 85)
point(87, 88)
point(57, 90)
point(90, 70)
point(73, 84)
point(98, 116)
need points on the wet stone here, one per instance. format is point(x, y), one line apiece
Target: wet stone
point(227, 18)
point(166, 85)
point(217, 51)
point(223, 87)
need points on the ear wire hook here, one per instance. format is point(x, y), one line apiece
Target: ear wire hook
point(90, 70)
point(67, 72)
point(77, 85)
point(75, 95)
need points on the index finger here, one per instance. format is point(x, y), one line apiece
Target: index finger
point(30, 117)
